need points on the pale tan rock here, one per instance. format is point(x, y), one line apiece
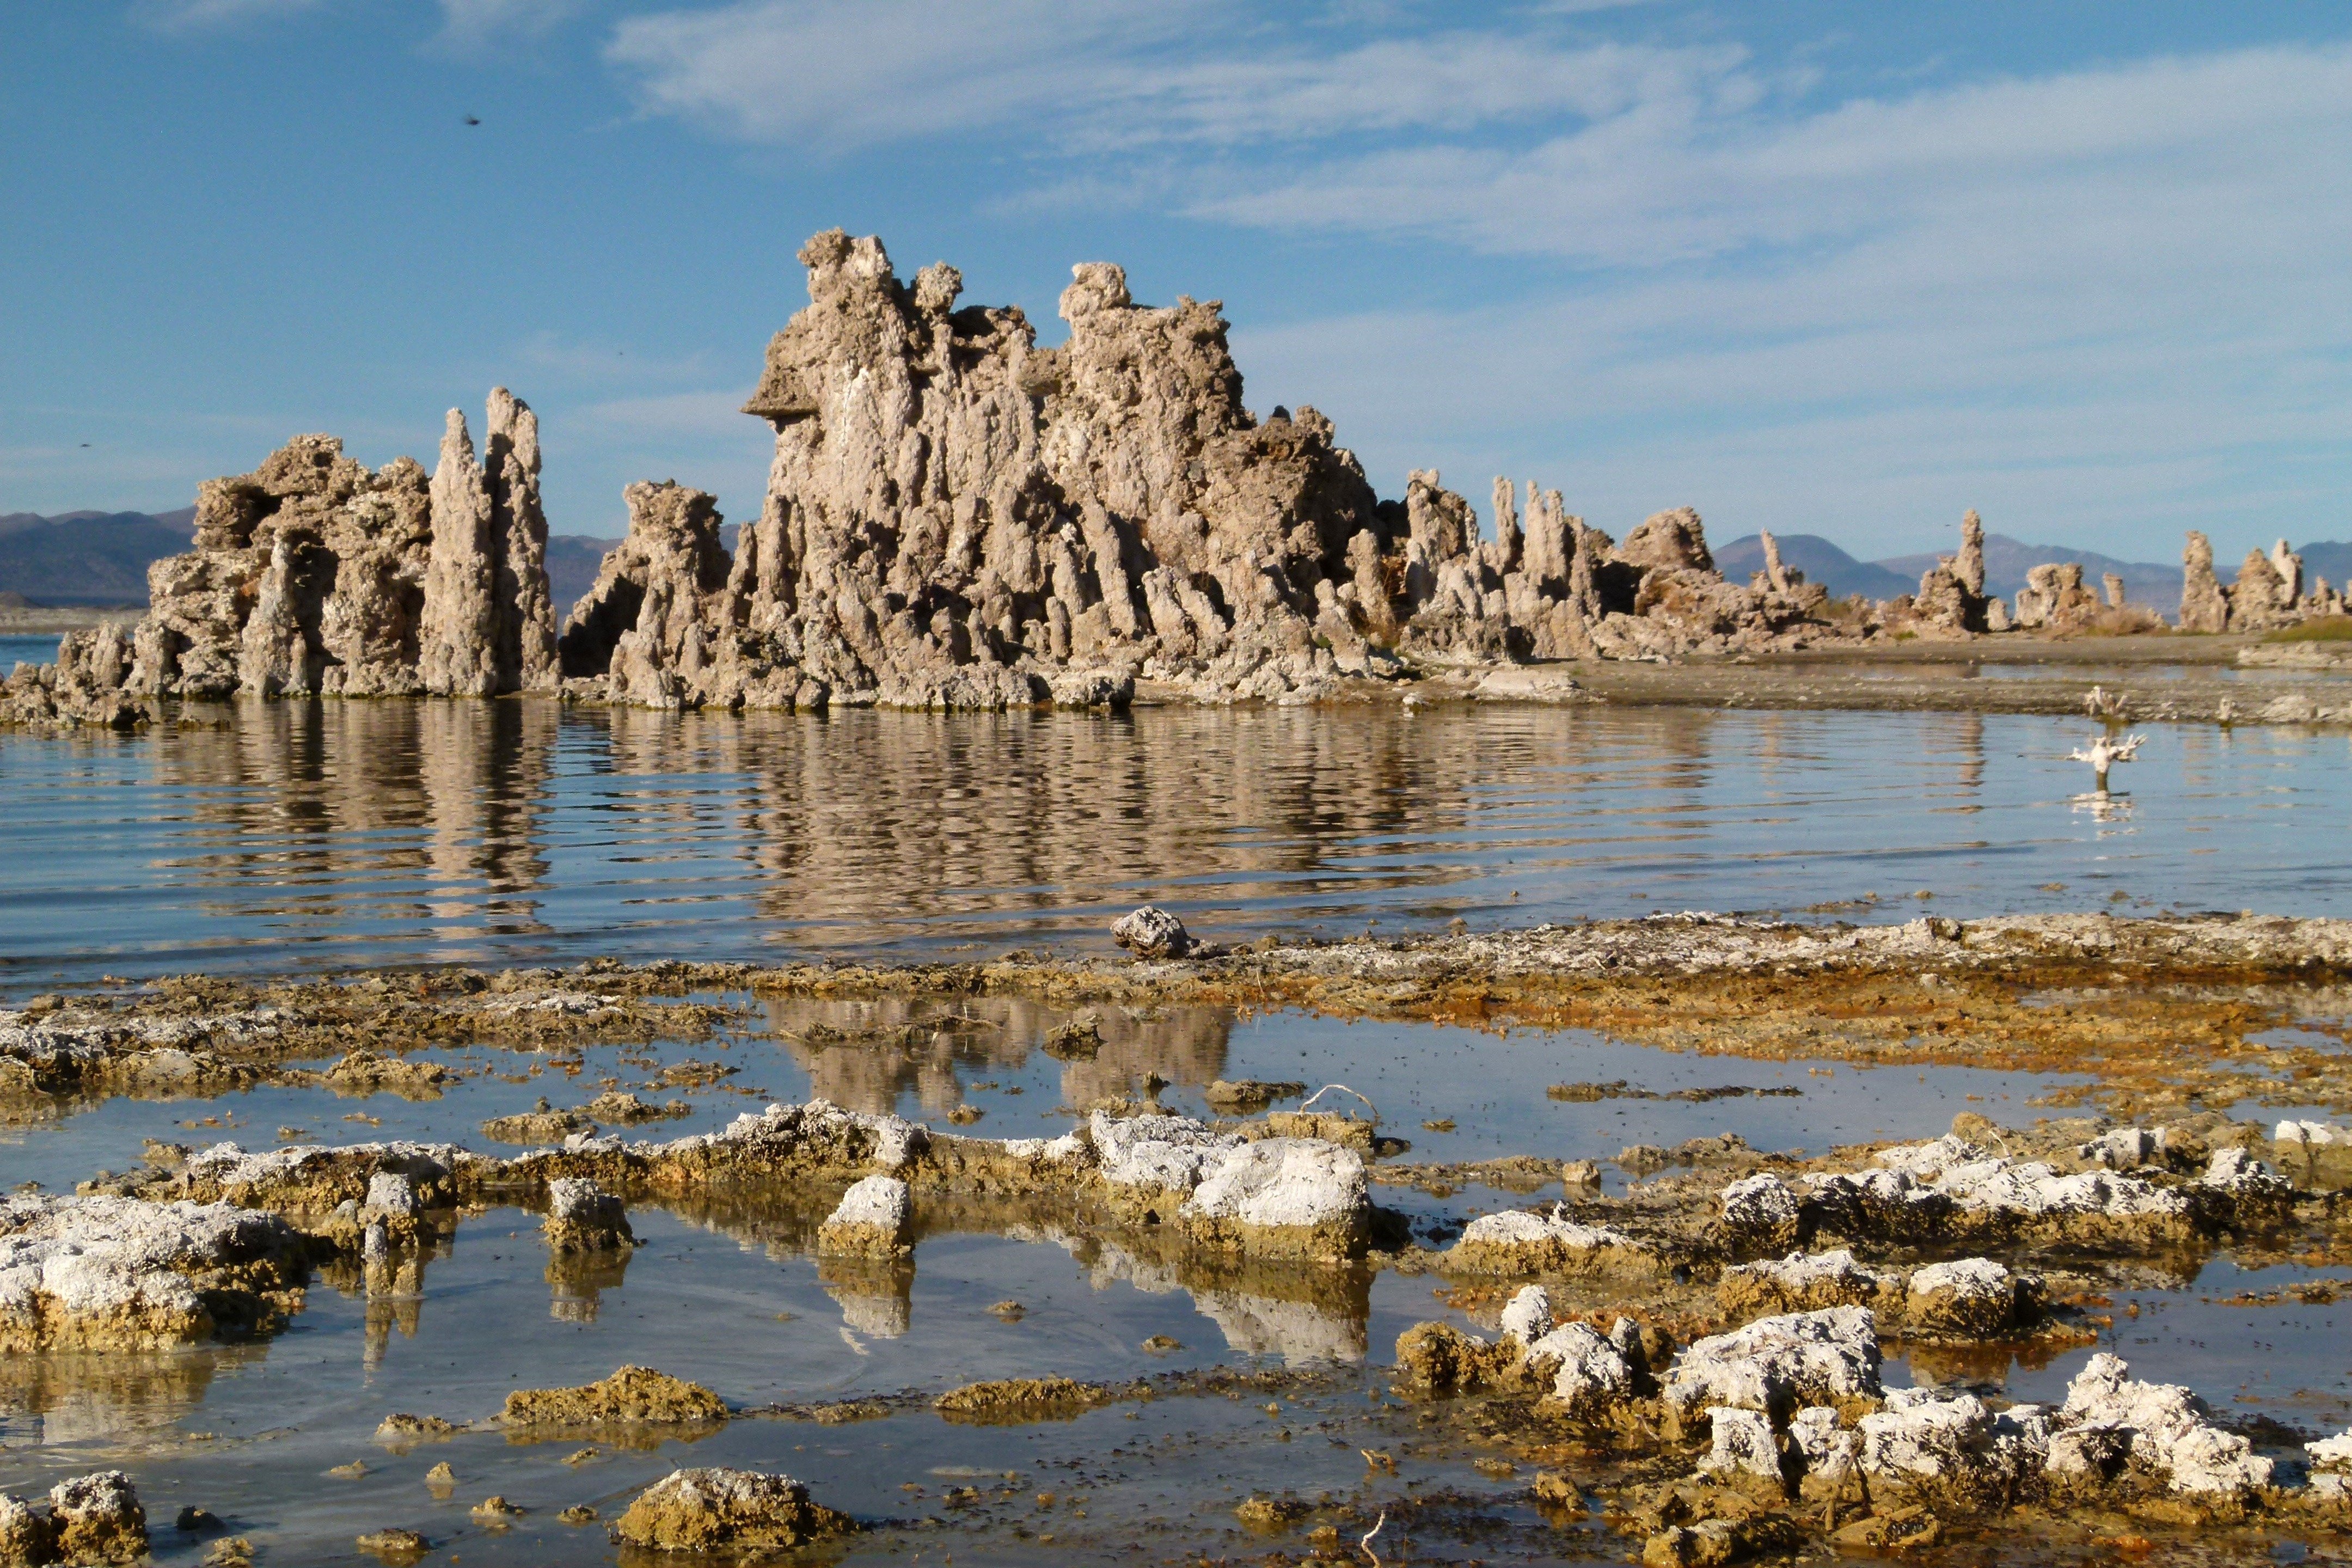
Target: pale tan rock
point(2055, 598)
point(524, 647)
point(98, 1519)
point(454, 657)
point(2204, 606)
point(2263, 597)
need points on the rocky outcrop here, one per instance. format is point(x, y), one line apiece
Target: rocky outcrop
point(583, 1217)
point(112, 1273)
point(956, 518)
point(2204, 608)
point(2268, 594)
point(1952, 599)
point(95, 1517)
point(314, 575)
point(694, 1512)
point(2055, 598)
point(872, 1220)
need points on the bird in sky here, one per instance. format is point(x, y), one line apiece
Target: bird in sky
point(470, 120)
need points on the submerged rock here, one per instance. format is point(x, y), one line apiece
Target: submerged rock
point(633, 1395)
point(714, 1509)
point(1021, 1399)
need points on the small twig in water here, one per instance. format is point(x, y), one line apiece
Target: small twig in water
point(1365, 1545)
point(1309, 1101)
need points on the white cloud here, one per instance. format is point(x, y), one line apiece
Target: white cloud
point(2110, 294)
point(842, 74)
point(1077, 76)
point(179, 16)
point(471, 24)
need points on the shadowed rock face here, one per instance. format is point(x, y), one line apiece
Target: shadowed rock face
point(955, 518)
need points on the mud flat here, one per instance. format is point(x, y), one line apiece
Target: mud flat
point(1200, 1308)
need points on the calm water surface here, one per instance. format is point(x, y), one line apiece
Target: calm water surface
point(385, 833)
point(335, 835)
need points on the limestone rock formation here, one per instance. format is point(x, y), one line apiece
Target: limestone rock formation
point(872, 1220)
point(2268, 594)
point(583, 1217)
point(2263, 596)
point(1952, 599)
point(653, 621)
point(2055, 598)
point(2204, 608)
point(95, 1517)
point(315, 575)
point(956, 518)
point(693, 1511)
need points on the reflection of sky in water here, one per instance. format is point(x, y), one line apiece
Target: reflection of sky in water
point(507, 832)
point(1490, 1086)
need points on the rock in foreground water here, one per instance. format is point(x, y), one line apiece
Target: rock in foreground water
point(717, 1510)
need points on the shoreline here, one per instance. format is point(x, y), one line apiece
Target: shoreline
point(2175, 679)
point(42, 620)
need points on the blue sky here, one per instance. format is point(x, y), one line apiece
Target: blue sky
point(1818, 267)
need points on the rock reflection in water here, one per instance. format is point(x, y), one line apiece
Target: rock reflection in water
point(875, 1299)
point(577, 1281)
point(866, 1054)
point(520, 830)
point(1300, 1313)
point(53, 1397)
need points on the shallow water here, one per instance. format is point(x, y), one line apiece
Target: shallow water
point(389, 832)
point(988, 1059)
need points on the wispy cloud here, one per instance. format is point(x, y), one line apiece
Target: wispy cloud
point(471, 25)
point(2117, 289)
point(1115, 73)
point(188, 16)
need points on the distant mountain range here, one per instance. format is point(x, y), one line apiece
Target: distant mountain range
point(2007, 560)
point(88, 558)
point(99, 558)
point(571, 562)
